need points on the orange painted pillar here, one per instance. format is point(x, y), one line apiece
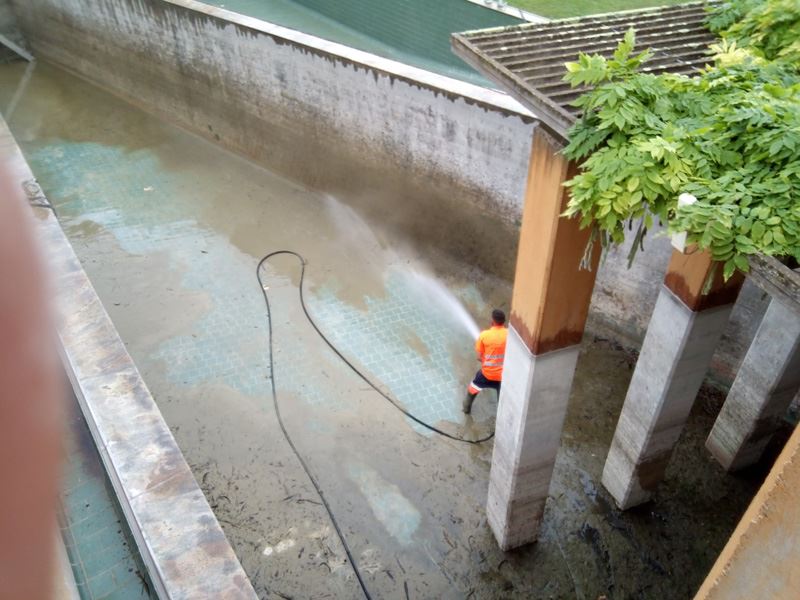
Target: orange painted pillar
point(549, 307)
point(683, 333)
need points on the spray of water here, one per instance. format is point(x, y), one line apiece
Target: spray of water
point(357, 231)
point(352, 227)
point(435, 291)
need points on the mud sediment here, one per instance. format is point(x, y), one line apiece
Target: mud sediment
point(170, 228)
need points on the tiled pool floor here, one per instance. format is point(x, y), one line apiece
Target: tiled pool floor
point(99, 545)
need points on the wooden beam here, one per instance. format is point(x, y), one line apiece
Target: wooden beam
point(778, 280)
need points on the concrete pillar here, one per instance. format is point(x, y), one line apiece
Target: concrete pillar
point(761, 393)
point(548, 313)
point(684, 330)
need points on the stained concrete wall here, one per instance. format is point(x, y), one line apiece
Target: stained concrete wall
point(345, 121)
point(7, 20)
point(760, 559)
point(309, 108)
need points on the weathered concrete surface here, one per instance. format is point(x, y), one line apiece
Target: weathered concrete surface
point(625, 298)
point(760, 559)
point(761, 393)
point(674, 360)
point(8, 23)
point(551, 296)
point(256, 87)
point(179, 538)
point(530, 416)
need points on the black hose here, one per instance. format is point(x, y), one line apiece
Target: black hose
point(286, 433)
point(355, 369)
point(357, 372)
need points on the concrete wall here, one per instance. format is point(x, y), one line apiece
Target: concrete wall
point(760, 559)
point(453, 157)
point(306, 107)
point(7, 21)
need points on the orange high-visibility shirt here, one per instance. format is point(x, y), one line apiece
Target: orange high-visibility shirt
point(491, 347)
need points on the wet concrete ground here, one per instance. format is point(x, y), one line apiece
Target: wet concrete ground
point(170, 229)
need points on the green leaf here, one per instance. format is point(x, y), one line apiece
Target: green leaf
point(729, 135)
point(728, 269)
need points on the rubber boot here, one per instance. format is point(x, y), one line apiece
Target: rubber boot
point(467, 404)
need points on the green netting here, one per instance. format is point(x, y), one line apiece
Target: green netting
point(421, 27)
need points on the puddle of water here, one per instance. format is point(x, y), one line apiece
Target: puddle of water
point(394, 511)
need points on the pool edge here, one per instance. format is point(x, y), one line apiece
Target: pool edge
point(177, 534)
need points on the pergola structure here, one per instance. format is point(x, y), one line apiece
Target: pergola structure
point(551, 296)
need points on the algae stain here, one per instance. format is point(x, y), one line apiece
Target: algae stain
point(393, 510)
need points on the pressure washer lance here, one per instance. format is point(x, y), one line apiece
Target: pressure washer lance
point(358, 372)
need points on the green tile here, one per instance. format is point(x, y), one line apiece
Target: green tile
point(111, 580)
point(85, 492)
point(131, 590)
point(111, 535)
point(97, 538)
point(101, 585)
point(108, 558)
point(94, 523)
point(89, 508)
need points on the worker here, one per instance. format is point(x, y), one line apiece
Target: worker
point(491, 349)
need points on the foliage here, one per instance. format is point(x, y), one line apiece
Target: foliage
point(771, 28)
point(725, 15)
point(730, 136)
